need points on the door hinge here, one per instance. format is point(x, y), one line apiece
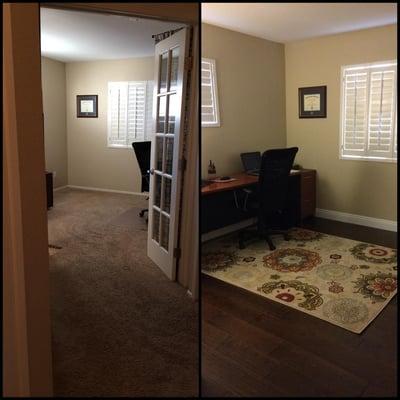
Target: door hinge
point(177, 252)
point(188, 63)
point(182, 164)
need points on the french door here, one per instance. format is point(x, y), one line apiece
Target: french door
point(166, 150)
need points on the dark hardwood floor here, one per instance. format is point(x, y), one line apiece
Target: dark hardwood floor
point(252, 346)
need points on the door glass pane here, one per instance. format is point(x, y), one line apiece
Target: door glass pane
point(173, 112)
point(164, 232)
point(169, 153)
point(163, 72)
point(174, 68)
point(157, 190)
point(156, 225)
point(159, 153)
point(162, 104)
point(167, 194)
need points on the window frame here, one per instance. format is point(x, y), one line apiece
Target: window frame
point(366, 156)
point(214, 93)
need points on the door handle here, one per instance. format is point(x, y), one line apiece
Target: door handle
point(152, 171)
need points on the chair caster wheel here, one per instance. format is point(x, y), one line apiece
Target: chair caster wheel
point(271, 246)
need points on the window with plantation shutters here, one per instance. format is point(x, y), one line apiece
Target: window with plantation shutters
point(369, 112)
point(209, 98)
point(129, 112)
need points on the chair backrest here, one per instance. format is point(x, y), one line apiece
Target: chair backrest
point(273, 183)
point(143, 151)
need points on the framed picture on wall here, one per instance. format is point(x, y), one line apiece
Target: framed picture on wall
point(86, 106)
point(312, 102)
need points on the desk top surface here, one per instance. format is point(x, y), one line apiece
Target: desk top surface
point(241, 179)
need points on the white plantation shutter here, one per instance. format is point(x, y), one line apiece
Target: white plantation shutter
point(116, 117)
point(209, 98)
point(149, 129)
point(136, 111)
point(129, 113)
point(355, 112)
point(382, 112)
point(369, 112)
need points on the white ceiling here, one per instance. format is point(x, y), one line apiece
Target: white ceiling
point(84, 36)
point(286, 22)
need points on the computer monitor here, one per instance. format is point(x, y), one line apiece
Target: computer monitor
point(251, 161)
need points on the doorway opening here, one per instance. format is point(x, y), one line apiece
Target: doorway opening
point(120, 327)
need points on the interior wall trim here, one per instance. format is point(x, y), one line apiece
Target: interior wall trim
point(104, 190)
point(59, 188)
point(378, 223)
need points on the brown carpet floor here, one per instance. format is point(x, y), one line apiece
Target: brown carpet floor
point(119, 326)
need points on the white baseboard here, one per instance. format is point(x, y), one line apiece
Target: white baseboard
point(227, 229)
point(106, 190)
point(60, 188)
point(378, 223)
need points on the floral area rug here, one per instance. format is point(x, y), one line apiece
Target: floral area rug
point(342, 281)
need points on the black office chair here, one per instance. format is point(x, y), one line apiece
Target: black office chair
point(270, 198)
point(142, 151)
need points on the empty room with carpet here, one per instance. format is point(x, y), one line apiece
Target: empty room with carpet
point(299, 200)
point(111, 304)
point(121, 272)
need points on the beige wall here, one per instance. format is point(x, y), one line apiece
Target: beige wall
point(251, 93)
point(90, 162)
point(55, 128)
point(356, 187)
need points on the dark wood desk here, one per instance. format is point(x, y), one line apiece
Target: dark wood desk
point(241, 180)
point(218, 202)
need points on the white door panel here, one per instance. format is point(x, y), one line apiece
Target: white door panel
point(166, 150)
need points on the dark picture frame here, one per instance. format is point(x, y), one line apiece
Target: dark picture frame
point(83, 106)
point(312, 102)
